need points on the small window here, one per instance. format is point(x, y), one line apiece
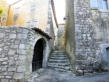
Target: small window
point(100, 4)
point(94, 3)
point(103, 4)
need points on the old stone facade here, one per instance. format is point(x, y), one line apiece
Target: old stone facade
point(60, 38)
point(84, 41)
point(87, 36)
point(16, 52)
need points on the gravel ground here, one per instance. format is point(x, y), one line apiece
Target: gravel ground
point(47, 75)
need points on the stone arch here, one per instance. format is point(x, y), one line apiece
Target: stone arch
point(107, 51)
point(38, 54)
point(104, 56)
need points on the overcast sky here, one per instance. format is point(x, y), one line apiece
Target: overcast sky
point(60, 10)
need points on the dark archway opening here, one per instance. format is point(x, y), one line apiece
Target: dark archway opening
point(38, 55)
point(107, 50)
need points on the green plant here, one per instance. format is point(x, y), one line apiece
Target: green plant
point(1, 13)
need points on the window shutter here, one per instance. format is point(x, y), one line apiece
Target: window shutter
point(100, 4)
point(94, 3)
point(103, 4)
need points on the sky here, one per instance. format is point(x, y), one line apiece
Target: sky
point(60, 10)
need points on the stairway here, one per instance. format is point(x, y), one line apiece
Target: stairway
point(59, 61)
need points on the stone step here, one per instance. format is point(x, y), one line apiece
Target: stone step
point(59, 66)
point(61, 69)
point(53, 54)
point(58, 54)
point(59, 51)
point(63, 64)
point(59, 60)
point(58, 57)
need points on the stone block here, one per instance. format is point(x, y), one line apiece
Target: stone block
point(21, 52)
point(11, 69)
point(17, 42)
point(22, 46)
point(79, 72)
point(8, 77)
point(2, 35)
point(4, 63)
point(11, 62)
point(1, 44)
point(22, 36)
point(25, 31)
point(14, 46)
point(3, 59)
point(1, 77)
point(11, 81)
point(0, 49)
point(13, 36)
point(11, 52)
point(4, 68)
point(21, 69)
point(4, 80)
point(18, 77)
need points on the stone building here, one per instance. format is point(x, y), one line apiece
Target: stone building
point(87, 40)
point(32, 13)
point(19, 52)
point(81, 45)
point(24, 48)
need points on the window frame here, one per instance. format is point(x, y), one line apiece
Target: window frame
point(97, 6)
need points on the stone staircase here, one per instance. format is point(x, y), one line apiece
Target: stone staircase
point(59, 61)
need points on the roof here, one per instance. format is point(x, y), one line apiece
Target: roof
point(42, 33)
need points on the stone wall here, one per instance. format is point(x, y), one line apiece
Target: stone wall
point(36, 13)
point(101, 24)
point(85, 49)
point(60, 42)
point(52, 27)
point(16, 52)
point(69, 27)
point(91, 28)
point(87, 36)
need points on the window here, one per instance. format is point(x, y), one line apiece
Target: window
point(100, 4)
point(103, 4)
point(94, 3)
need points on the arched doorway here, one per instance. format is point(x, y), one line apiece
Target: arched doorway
point(38, 55)
point(107, 50)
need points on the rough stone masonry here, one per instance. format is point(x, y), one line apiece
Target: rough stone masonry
point(91, 37)
point(16, 52)
point(87, 31)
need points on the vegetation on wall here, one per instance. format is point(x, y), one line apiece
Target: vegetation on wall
point(1, 13)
